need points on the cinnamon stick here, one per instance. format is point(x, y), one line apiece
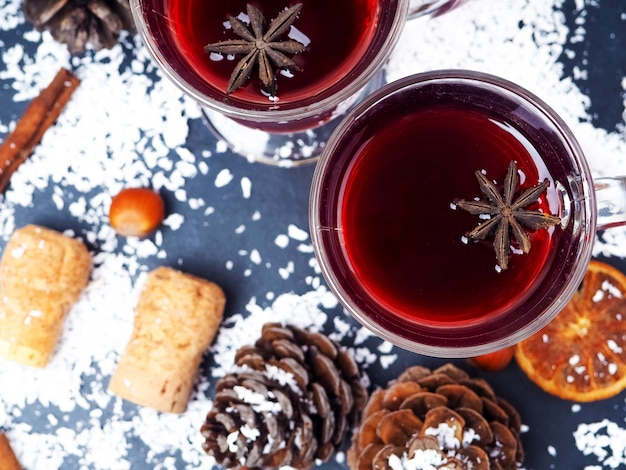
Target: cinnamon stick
point(8, 460)
point(40, 114)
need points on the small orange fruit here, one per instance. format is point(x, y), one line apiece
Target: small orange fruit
point(581, 354)
point(495, 361)
point(136, 212)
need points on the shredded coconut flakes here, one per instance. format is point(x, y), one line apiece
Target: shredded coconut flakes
point(139, 137)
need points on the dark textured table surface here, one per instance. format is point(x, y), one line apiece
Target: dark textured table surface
point(244, 226)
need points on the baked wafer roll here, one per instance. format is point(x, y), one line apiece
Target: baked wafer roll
point(8, 460)
point(42, 274)
point(176, 318)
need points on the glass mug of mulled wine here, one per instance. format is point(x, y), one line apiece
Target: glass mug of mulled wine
point(273, 76)
point(453, 213)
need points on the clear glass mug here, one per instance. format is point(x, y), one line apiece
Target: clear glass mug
point(283, 132)
point(393, 246)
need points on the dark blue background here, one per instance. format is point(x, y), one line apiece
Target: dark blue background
point(281, 195)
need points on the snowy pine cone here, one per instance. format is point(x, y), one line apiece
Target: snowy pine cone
point(292, 400)
point(440, 419)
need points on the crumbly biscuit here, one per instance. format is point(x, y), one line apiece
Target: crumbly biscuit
point(176, 318)
point(42, 274)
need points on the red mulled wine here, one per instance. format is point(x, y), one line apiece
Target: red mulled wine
point(406, 244)
point(336, 33)
point(393, 246)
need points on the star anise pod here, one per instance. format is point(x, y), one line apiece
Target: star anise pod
point(261, 48)
point(507, 215)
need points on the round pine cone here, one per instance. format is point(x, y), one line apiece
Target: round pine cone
point(291, 400)
point(440, 419)
point(76, 23)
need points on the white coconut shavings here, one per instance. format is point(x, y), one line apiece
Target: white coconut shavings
point(297, 233)
point(10, 16)
point(605, 440)
point(613, 346)
point(249, 433)
point(422, 459)
point(445, 434)
point(118, 130)
point(363, 335)
point(257, 401)
point(126, 143)
point(430, 459)
point(138, 137)
point(246, 187)
point(282, 241)
point(611, 289)
point(387, 360)
point(286, 271)
point(223, 178)
point(239, 331)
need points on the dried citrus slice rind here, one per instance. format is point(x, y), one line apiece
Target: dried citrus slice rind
point(581, 354)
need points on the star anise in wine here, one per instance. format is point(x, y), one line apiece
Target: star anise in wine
point(261, 48)
point(506, 214)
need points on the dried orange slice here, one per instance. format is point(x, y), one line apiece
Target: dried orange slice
point(581, 354)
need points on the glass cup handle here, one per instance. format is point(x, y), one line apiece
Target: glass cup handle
point(611, 201)
point(429, 8)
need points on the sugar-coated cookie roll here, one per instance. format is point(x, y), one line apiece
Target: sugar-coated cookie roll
point(42, 274)
point(176, 318)
point(8, 460)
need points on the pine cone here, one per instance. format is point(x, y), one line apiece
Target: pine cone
point(79, 22)
point(442, 418)
point(291, 401)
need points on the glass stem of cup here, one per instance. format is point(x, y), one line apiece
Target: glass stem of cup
point(611, 201)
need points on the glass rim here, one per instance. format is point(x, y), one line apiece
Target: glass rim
point(290, 113)
point(586, 229)
point(435, 7)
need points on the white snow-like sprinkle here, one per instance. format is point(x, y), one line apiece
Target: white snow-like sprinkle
point(223, 178)
point(138, 138)
point(605, 440)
